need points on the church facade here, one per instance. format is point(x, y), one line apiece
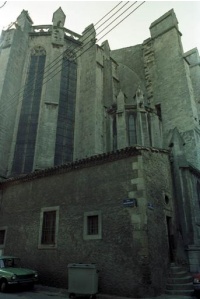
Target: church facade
point(104, 147)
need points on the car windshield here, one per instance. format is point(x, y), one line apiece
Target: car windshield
point(10, 262)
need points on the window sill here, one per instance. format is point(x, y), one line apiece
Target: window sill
point(41, 246)
point(92, 237)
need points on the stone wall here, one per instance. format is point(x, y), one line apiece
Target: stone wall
point(174, 89)
point(12, 54)
point(129, 248)
point(160, 203)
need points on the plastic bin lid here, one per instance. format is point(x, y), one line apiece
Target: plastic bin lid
point(80, 265)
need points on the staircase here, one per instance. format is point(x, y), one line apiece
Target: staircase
point(179, 282)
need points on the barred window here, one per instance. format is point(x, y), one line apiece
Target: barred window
point(3, 231)
point(2, 236)
point(49, 219)
point(92, 226)
point(49, 228)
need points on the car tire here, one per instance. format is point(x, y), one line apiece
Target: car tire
point(3, 286)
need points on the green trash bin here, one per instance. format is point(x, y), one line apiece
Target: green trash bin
point(82, 280)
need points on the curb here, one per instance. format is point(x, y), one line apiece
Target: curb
point(53, 291)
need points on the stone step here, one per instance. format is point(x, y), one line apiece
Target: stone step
point(180, 280)
point(179, 292)
point(185, 287)
point(178, 274)
point(178, 269)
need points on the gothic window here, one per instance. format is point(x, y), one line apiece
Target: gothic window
point(114, 128)
point(28, 121)
point(66, 112)
point(198, 192)
point(149, 128)
point(132, 135)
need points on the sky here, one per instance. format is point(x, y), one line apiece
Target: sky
point(131, 31)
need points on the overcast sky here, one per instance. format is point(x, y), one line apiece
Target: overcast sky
point(133, 30)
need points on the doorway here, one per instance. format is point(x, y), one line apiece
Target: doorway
point(170, 236)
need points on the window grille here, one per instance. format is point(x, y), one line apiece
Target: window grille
point(49, 228)
point(2, 236)
point(92, 225)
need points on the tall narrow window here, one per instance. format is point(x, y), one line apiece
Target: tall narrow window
point(2, 236)
point(48, 227)
point(132, 129)
point(198, 192)
point(114, 127)
point(66, 112)
point(149, 128)
point(28, 121)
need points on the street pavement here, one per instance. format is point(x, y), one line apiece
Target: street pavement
point(43, 292)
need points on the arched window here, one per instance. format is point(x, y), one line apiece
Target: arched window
point(132, 129)
point(198, 192)
point(114, 132)
point(66, 112)
point(28, 121)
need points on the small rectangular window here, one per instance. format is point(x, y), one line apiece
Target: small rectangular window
point(3, 231)
point(2, 236)
point(92, 226)
point(49, 219)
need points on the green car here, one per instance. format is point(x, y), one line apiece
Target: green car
point(12, 274)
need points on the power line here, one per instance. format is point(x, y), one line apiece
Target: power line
point(68, 52)
point(123, 19)
point(3, 4)
point(86, 49)
point(100, 38)
point(58, 58)
point(104, 34)
point(92, 44)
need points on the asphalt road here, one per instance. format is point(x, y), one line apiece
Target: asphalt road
point(30, 295)
point(37, 293)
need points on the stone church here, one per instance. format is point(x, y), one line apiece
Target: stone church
point(100, 154)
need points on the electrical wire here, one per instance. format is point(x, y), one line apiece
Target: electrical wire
point(3, 4)
point(107, 32)
point(98, 39)
point(64, 52)
point(59, 66)
point(68, 52)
